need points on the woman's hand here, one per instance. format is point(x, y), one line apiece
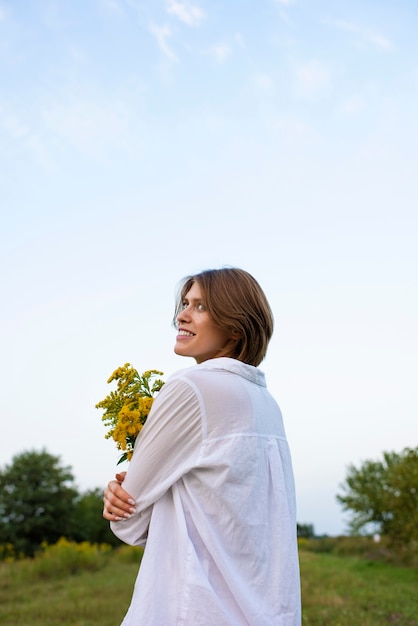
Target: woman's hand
point(118, 504)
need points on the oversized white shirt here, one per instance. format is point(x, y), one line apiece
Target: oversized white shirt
point(212, 478)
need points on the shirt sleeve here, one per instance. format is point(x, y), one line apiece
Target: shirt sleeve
point(167, 447)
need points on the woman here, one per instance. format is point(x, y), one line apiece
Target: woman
point(209, 489)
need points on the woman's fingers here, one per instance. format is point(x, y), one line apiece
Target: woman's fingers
point(118, 504)
point(120, 477)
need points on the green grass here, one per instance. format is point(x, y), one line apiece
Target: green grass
point(69, 584)
point(353, 591)
point(336, 590)
point(86, 599)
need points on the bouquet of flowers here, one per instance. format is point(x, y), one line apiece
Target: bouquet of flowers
point(127, 408)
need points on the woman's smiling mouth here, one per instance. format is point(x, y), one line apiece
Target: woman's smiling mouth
point(184, 333)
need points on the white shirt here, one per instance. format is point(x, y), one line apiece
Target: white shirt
point(212, 478)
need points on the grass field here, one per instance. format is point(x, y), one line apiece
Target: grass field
point(336, 591)
point(351, 591)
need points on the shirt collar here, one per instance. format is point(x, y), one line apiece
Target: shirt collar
point(236, 367)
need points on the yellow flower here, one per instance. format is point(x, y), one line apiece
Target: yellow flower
point(126, 409)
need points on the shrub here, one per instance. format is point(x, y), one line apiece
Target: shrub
point(361, 546)
point(67, 557)
point(129, 554)
point(8, 553)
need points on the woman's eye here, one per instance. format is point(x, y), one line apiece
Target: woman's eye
point(198, 306)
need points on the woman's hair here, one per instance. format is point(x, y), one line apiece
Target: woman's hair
point(235, 302)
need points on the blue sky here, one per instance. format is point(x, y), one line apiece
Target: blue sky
point(144, 141)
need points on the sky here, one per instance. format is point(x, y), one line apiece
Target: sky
point(143, 141)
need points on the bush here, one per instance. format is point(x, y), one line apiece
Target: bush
point(67, 557)
point(8, 553)
point(129, 554)
point(361, 546)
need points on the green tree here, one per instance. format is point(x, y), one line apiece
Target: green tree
point(87, 522)
point(37, 498)
point(382, 496)
point(306, 531)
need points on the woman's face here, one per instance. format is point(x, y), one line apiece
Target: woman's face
point(198, 336)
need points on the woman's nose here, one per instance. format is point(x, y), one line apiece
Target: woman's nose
point(184, 315)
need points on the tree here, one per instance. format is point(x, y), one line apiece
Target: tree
point(383, 497)
point(37, 498)
point(306, 531)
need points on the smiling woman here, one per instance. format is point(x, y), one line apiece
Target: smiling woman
point(198, 335)
point(209, 490)
point(234, 302)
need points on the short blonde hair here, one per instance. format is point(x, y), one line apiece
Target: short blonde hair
point(235, 302)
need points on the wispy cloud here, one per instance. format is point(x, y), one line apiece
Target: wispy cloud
point(115, 6)
point(369, 36)
point(162, 34)
point(284, 13)
point(263, 82)
point(89, 124)
point(310, 80)
point(353, 105)
point(239, 40)
point(185, 12)
point(294, 132)
point(379, 41)
point(20, 137)
point(222, 50)
point(11, 123)
point(219, 52)
point(92, 124)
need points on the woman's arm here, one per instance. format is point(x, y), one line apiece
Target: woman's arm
point(167, 447)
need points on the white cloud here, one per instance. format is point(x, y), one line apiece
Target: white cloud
point(185, 12)
point(162, 34)
point(20, 138)
point(283, 5)
point(12, 124)
point(379, 41)
point(220, 52)
point(264, 82)
point(91, 125)
point(112, 5)
point(311, 80)
point(353, 105)
point(372, 37)
point(239, 40)
point(293, 131)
